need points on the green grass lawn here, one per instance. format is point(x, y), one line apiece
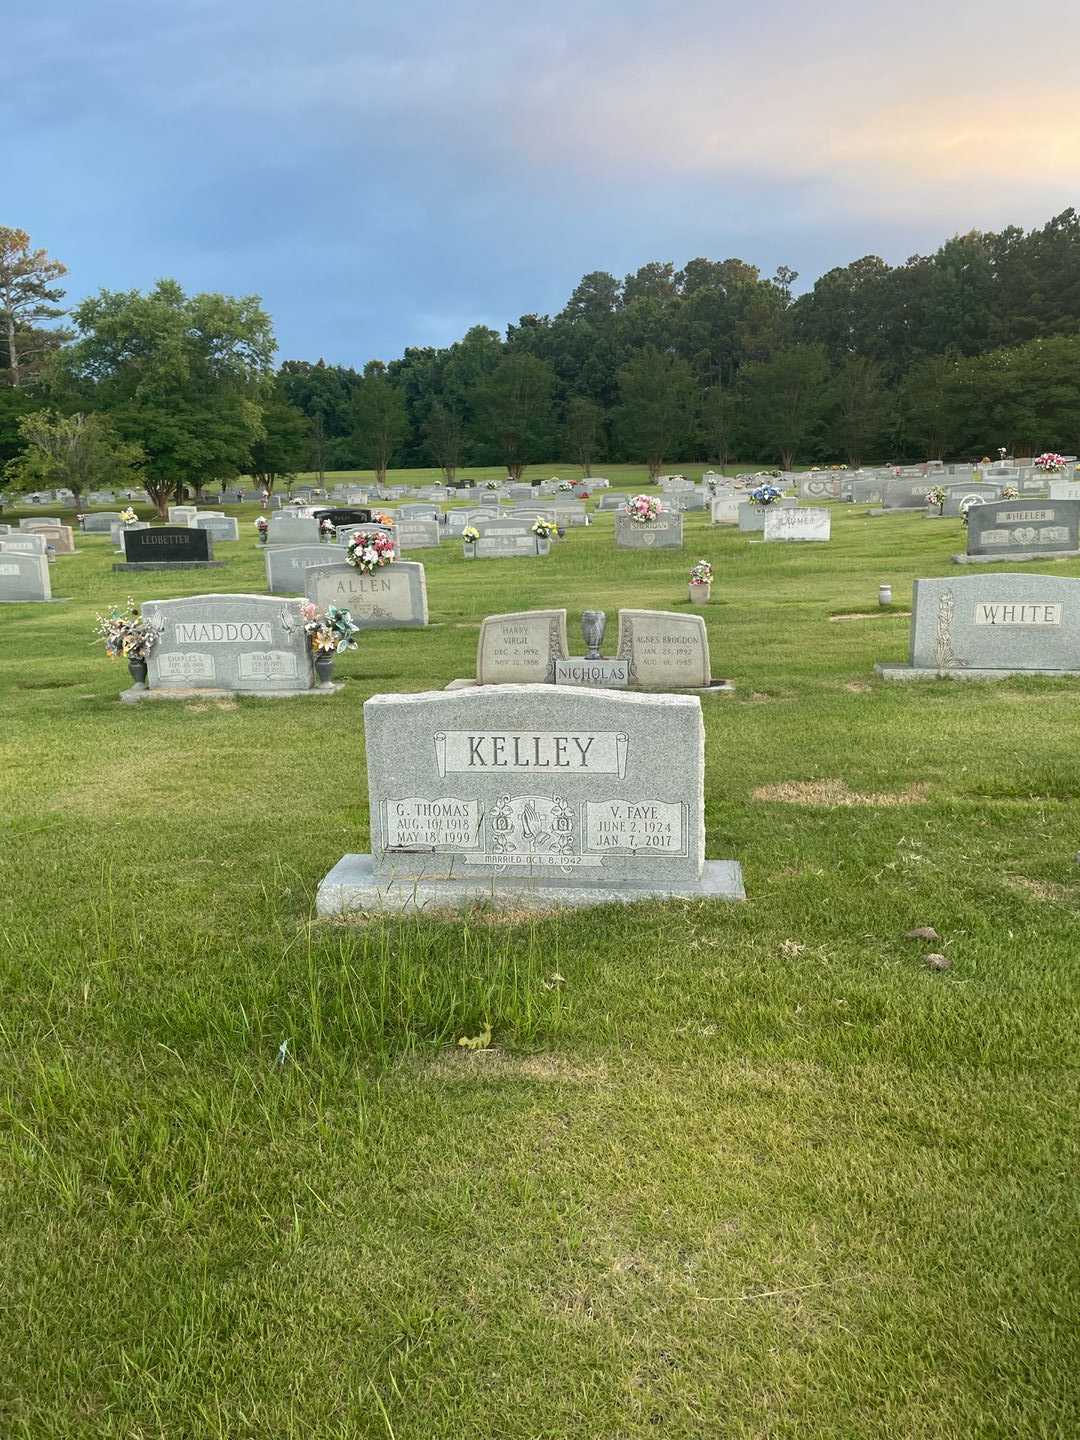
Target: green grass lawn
point(731, 1171)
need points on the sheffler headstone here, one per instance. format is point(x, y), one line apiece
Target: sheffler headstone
point(989, 626)
point(167, 547)
point(247, 644)
point(531, 796)
point(393, 598)
point(1021, 530)
point(792, 524)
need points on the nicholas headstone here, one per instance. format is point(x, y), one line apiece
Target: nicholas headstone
point(666, 651)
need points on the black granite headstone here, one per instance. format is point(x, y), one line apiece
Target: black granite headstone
point(345, 517)
point(166, 544)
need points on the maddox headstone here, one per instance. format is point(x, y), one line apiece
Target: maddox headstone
point(531, 796)
point(988, 626)
point(809, 523)
point(392, 598)
point(1021, 530)
point(663, 533)
point(249, 644)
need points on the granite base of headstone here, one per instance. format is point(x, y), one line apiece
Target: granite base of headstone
point(991, 626)
point(531, 797)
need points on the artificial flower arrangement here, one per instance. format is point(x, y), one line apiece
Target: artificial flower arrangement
point(125, 633)
point(544, 529)
point(492, 485)
point(565, 486)
point(701, 573)
point(765, 495)
point(128, 516)
point(470, 534)
point(1010, 492)
point(1002, 452)
point(642, 509)
point(935, 495)
point(383, 519)
point(262, 524)
point(330, 631)
point(1050, 462)
point(986, 460)
point(369, 550)
point(327, 526)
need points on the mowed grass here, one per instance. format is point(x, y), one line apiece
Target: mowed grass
point(739, 1171)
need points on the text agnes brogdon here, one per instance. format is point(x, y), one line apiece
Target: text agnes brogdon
point(592, 752)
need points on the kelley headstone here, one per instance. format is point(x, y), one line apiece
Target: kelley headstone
point(531, 796)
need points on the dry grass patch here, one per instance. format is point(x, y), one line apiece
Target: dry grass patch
point(496, 1064)
point(872, 615)
point(1048, 890)
point(833, 793)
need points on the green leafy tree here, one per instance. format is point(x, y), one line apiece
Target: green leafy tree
point(14, 404)
point(78, 452)
point(583, 432)
point(514, 411)
point(379, 419)
point(183, 376)
point(859, 405)
point(657, 402)
point(284, 444)
point(927, 404)
point(28, 294)
point(720, 407)
point(784, 401)
point(445, 439)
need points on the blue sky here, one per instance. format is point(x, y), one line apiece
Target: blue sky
point(387, 176)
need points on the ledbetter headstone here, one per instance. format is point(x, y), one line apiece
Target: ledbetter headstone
point(987, 626)
point(164, 547)
point(251, 644)
point(531, 796)
point(393, 598)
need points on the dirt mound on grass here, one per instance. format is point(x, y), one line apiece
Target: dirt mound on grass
point(837, 792)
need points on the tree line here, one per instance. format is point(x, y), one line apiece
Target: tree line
point(947, 355)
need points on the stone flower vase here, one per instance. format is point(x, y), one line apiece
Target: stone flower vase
point(543, 547)
point(469, 548)
point(699, 593)
point(264, 536)
point(324, 668)
point(137, 670)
